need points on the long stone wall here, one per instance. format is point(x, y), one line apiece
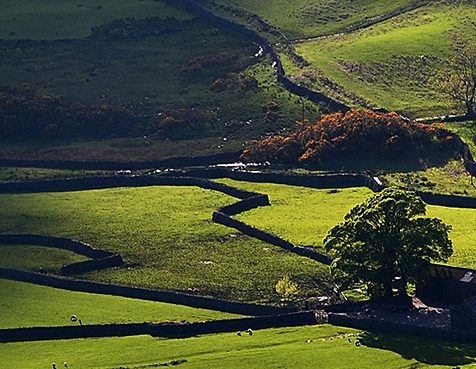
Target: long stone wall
point(166, 329)
point(70, 332)
point(174, 162)
point(143, 293)
point(291, 86)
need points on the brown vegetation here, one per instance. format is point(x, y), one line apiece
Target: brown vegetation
point(358, 132)
point(24, 112)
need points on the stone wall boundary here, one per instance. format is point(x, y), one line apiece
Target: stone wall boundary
point(309, 252)
point(291, 86)
point(174, 162)
point(172, 297)
point(101, 259)
point(164, 329)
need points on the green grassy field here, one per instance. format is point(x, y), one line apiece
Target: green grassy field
point(36, 257)
point(301, 18)
point(383, 64)
point(274, 348)
point(37, 19)
point(304, 216)
point(298, 214)
point(167, 238)
point(30, 305)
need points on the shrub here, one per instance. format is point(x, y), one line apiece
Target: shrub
point(357, 132)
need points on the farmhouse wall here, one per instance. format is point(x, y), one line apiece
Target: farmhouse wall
point(463, 315)
point(142, 293)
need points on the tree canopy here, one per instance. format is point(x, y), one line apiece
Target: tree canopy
point(387, 242)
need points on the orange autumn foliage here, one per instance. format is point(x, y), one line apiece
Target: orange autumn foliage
point(354, 133)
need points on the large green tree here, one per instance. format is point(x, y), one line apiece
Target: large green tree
point(387, 242)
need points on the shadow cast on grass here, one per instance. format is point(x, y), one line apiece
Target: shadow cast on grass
point(426, 350)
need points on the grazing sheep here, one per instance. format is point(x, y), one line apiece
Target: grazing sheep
point(250, 332)
point(238, 333)
point(357, 342)
point(65, 364)
point(53, 365)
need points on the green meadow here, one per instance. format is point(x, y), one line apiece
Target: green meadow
point(382, 64)
point(29, 305)
point(167, 239)
point(305, 18)
point(37, 19)
point(304, 216)
point(321, 346)
point(298, 214)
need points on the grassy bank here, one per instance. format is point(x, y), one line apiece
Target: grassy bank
point(383, 64)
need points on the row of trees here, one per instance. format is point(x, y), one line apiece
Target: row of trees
point(345, 135)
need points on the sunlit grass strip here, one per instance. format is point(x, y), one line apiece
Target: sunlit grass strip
point(321, 346)
point(28, 305)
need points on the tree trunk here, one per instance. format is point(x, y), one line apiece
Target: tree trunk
point(470, 111)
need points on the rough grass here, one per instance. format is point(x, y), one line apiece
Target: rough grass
point(147, 76)
point(30, 305)
point(449, 179)
point(60, 19)
point(382, 64)
point(167, 238)
point(274, 348)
